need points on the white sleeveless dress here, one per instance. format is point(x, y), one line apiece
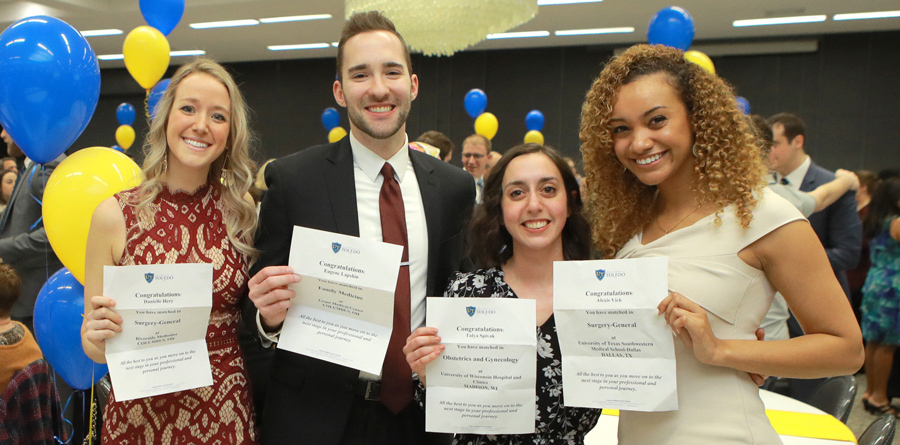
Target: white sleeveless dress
point(717, 405)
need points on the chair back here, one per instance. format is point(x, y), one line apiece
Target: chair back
point(835, 396)
point(880, 431)
point(29, 407)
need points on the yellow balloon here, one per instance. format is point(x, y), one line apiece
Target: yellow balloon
point(534, 137)
point(146, 53)
point(336, 134)
point(125, 136)
point(700, 59)
point(486, 125)
point(76, 187)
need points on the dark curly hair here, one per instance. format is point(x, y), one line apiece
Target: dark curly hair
point(490, 244)
point(727, 164)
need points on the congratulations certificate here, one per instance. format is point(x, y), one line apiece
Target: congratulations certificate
point(483, 382)
point(616, 351)
point(344, 309)
point(162, 347)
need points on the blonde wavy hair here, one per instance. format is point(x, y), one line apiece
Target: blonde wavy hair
point(727, 164)
point(238, 213)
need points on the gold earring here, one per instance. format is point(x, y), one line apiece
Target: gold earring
point(223, 177)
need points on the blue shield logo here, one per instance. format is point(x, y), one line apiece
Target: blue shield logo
point(470, 310)
point(600, 274)
point(336, 247)
point(148, 277)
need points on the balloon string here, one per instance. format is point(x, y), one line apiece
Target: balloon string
point(63, 416)
point(147, 104)
point(38, 200)
point(91, 425)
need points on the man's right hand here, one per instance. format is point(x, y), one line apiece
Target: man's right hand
point(271, 296)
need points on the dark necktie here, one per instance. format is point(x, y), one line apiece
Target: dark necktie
point(396, 376)
point(784, 181)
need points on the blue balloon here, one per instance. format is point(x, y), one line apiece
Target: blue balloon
point(475, 102)
point(125, 113)
point(743, 104)
point(156, 93)
point(330, 118)
point(671, 26)
point(534, 120)
point(117, 148)
point(57, 326)
point(49, 85)
point(163, 15)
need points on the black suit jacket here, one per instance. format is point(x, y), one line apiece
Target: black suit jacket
point(838, 226)
point(309, 400)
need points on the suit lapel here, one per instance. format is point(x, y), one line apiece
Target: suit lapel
point(341, 188)
point(431, 202)
point(810, 180)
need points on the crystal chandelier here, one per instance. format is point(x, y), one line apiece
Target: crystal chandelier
point(443, 27)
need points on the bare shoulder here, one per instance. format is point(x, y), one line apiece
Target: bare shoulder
point(108, 216)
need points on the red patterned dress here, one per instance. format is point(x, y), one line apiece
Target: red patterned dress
point(189, 229)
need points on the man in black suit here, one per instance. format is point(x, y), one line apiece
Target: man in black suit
point(335, 187)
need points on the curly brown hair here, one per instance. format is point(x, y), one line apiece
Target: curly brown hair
point(727, 165)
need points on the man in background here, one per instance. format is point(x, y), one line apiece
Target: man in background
point(476, 155)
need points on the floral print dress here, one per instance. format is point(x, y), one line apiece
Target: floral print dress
point(554, 422)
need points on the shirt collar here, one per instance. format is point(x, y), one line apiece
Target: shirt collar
point(796, 177)
point(370, 163)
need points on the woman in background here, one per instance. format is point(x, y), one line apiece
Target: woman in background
point(7, 184)
point(192, 207)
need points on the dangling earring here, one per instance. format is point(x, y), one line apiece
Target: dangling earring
point(223, 177)
point(165, 162)
point(694, 151)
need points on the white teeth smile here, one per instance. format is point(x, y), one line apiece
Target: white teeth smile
point(384, 109)
point(536, 224)
point(194, 143)
point(646, 161)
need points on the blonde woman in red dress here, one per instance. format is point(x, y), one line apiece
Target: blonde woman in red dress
point(192, 207)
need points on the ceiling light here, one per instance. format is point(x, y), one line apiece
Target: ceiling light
point(779, 21)
point(302, 46)
point(335, 44)
point(867, 15)
point(101, 32)
point(190, 52)
point(111, 57)
point(296, 18)
point(518, 35)
point(587, 32)
point(225, 24)
point(564, 2)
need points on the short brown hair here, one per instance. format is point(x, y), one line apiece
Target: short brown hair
point(793, 125)
point(484, 140)
point(439, 140)
point(9, 289)
point(490, 244)
point(366, 22)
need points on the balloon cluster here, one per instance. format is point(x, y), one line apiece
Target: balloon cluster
point(331, 119)
point(146, 48)
point(485, 123)
point(673, 26)
point(534, 121)
point(125, 114)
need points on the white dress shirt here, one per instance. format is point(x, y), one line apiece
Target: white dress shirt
point(795, 178)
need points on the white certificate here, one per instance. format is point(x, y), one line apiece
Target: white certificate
point(616, 351)
point(484, 381)
point(162, 347)
point(344, 309)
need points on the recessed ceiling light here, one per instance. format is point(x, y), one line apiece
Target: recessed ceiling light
point(101, 32)
point(191, 52)
point(779, 21)
point(587, 32)
point(225, 24)
point(301, 46)
point(111, 57)
point(518, 35)
point(296, 18)
point(867, 15)
point(564, 2)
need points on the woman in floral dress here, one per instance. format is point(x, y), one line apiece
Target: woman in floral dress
point(530, 217)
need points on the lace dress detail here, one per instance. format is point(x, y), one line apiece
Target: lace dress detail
point(189, 228)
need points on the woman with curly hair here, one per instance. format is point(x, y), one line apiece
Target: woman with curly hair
point(193, 207)
point(672, 170)
point(530, 217)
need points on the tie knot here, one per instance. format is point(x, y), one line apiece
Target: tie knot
point(387, 171)
point(784, 181)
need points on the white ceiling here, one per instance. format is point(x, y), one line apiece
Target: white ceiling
point(712, 18)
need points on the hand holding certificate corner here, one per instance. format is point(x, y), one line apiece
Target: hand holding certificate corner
point(344, 306)
point(165, 310)
point(617, 351)
point(483, 382)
